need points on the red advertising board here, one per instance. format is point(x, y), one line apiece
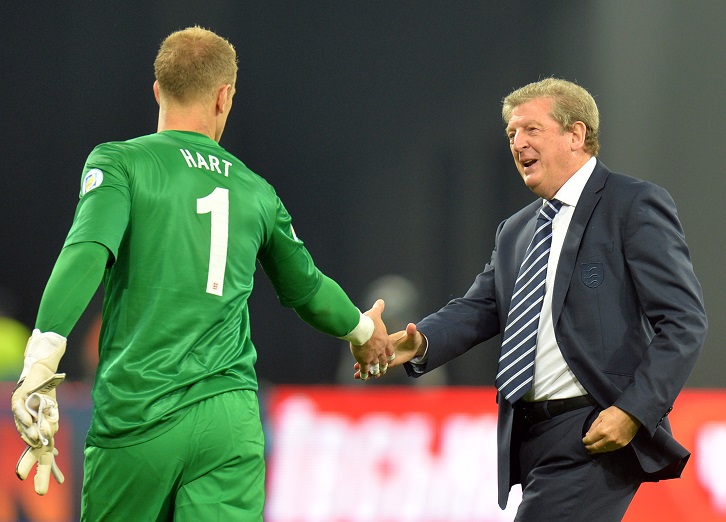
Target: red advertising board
point(699, 423)
point(385, 454)
point(400, 454)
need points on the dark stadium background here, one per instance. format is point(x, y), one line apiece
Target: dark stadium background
point(378, 123)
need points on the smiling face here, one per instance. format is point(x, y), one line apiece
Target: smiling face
point(546, 155)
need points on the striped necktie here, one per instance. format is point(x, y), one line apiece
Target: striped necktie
point(519, 341)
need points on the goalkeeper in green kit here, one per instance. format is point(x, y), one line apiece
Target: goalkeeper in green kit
point(174, 226)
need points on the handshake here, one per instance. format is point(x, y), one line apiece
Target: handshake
point(382, 351)
point(36, 410)
point(35, 407)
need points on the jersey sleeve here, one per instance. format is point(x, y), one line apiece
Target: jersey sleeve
point(316, 298)
point(330, 310)
point(102, 214)
point(287, 262)
point(75, 278)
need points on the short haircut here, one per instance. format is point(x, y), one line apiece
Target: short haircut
point(192, 63)
point(570, 103)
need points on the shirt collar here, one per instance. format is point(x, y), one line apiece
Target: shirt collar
point(569, 193)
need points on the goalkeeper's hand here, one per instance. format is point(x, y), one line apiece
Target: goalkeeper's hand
point(35, 408)
point(45, 457)
point(34, 399)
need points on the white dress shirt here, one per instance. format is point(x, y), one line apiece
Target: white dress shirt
point(553, 378)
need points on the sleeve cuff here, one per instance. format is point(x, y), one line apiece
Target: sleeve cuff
point(418, 364)
point(362, 333)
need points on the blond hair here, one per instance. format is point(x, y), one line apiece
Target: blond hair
point(192, 63)
point(570, 103)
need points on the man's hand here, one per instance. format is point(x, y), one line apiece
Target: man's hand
point(45, 457)
point(34, 399)
point(403, 346)
point(612, 429)
point(373, 356)
point(35, 407)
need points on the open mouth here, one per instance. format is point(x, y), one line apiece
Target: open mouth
point(529, 162)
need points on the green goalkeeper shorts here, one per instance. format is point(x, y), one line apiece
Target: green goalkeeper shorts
point(208, 466)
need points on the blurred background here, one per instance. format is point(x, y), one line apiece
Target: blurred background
point(379, 125)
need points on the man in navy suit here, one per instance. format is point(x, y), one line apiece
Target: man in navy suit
point(621, 324)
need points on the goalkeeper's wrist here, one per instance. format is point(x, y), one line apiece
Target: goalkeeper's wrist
point(362, 333)
point(46, 346)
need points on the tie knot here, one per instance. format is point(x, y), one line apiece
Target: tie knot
point(550, 209)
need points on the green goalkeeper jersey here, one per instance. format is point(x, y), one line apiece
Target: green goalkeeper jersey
point(185, 222)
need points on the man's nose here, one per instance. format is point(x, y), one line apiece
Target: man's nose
point(519, 141)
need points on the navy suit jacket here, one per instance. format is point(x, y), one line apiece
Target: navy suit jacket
point(627, 311)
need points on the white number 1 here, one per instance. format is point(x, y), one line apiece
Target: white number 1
point(216, 203)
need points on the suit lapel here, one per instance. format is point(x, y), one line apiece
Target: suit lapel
point(513, 244)
point(584, 209)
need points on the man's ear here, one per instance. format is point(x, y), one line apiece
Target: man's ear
point(579, 130)
point(157, 96)
point(223, 97)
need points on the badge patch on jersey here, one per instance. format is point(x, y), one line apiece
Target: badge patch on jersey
point(92, 179)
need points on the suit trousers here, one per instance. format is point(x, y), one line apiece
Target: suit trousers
point(561, 481)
